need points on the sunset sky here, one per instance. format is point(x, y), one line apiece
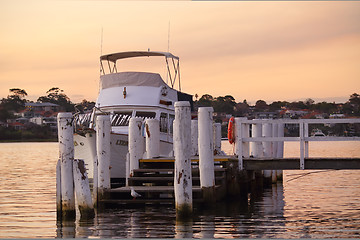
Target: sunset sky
point(250, 50)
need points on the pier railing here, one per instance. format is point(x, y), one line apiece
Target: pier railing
point(243, 136)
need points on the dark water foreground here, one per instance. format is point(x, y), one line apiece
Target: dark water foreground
point(318, 204)
point(264, 215)
point(261, 215)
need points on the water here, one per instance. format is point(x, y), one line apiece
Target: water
point(322, 204)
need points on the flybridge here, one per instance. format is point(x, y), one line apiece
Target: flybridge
point(109, 62)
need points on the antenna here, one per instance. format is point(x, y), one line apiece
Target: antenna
point(101, 44)
point(166, 70)
point(169, 38)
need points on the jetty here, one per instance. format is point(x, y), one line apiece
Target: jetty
point(196, 171)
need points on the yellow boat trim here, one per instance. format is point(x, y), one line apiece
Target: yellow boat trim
point(173, 160)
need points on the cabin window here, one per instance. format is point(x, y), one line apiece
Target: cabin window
point(145, 115)
point(171, 121)
point(120, 118)
point(163, 122)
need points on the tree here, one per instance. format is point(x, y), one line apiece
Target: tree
point(224, 104)
point(85, 105)
point(309, 102)
point(205, 101)
point(241, 109)
point(297, 105)
point(354, 99)
point(325, 107)
point(354, 102)
point(14, 102)
point(277, 105)
point(55, 95)
point(261, 105)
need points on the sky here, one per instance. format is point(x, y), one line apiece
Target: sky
point(268, 50)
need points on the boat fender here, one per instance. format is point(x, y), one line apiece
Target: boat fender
point(143, 129)
point(231, 131)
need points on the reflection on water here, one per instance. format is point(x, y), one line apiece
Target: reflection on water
point(318, 205)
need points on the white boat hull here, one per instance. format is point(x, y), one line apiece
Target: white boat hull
point(85, 148)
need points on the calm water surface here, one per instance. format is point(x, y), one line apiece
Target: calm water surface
point(322, 204)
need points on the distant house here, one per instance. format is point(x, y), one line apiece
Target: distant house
point(16, 125)
point(286, 113)
point(337, 115)
point(266, 115)
point(314, 114)
point(42, 107)
point(43, 114)
point(38, 110)
point(46, 121)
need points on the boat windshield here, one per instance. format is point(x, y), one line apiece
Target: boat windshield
point(120, 118)
point(145, 115)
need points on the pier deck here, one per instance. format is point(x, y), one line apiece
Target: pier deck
point(275, 163)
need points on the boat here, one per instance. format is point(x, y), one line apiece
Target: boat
point(126, 94)
point(317, 133)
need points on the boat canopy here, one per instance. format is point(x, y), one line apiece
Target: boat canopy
point(121, 55)
point(131, 79)
point(172, 64)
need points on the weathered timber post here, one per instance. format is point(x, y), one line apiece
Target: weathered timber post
point(274, 149)
point(217, 138)
point(58, 191)
point(256, 148)
point(241, 148)
point(280, 149)
point(152, 132)
point(66, 152)
point(136, 144)
point(182, 151)
point(267, 132)
point(82, 190)
point(95, 182)
point(103, 132)
point(206, 153)
point(127, 166)
point(238, 186)
point(194, 138)
point(302, 145)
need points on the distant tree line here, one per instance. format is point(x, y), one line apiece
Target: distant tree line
point(15, 102)
point(227, 104)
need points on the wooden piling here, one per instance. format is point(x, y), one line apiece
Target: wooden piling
point(82, 190)
point(95, 182)
point(127, 166)
point(267, 132)
point(206, 153)
point(274, 147)
point(241, 148)
point(256, 148)
point(217, 138)
point(194, 138)
point(58, 191)
point(280, 149)
point(66, 152)
point(136, 143)
point(103, 132)
point(182, 150)
point(152, 132)
point(238, 186)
